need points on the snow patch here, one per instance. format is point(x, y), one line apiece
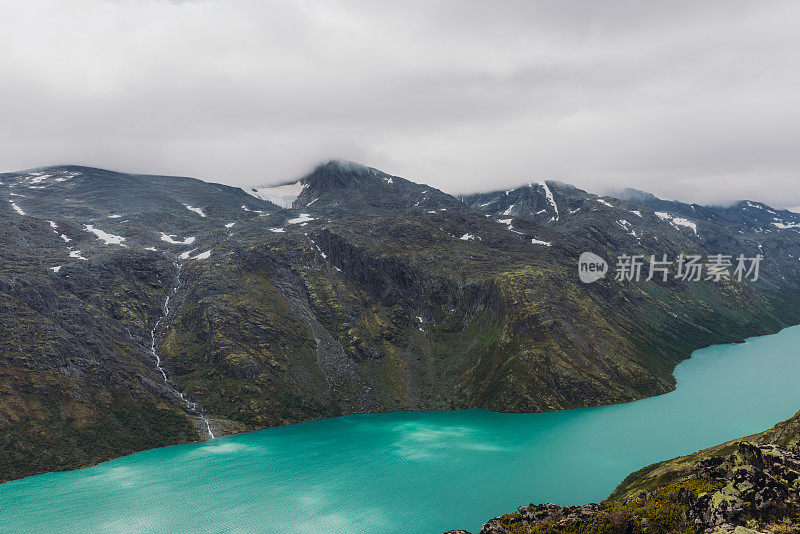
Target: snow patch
point(280, 195)
point(540, 242)
point(677, 221)
point(303, 218)
point(628, 227)
point(550, 198)
point(170, 238)
point(196, 210)
point(680, 221)
point(77, 255)
point(604, 203)
point(17, 208)
point(230, 225)
point(37, 177)
point(108, 239)
point(277, 230)
point(203, 255)
point(55, 269)
point(467, 237)
point(784, 226)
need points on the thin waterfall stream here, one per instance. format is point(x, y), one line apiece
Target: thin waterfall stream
point(414, 472)
point(193, 408)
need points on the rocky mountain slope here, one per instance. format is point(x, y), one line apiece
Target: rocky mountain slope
point(139, 311)
point(743, 486)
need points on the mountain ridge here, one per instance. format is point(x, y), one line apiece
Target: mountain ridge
point(395, 296)
point(628, 194)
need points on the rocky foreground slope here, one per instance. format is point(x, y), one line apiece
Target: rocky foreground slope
point(140, 311)
point(744, 486)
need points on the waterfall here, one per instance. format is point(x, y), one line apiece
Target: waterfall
point(192, 407)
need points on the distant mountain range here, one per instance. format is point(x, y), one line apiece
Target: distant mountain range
point(140, 311)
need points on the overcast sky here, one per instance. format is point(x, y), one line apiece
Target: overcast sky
point(698, 101)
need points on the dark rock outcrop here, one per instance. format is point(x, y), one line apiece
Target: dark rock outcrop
point(741, 487)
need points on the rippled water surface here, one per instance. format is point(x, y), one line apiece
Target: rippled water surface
point(415, 472)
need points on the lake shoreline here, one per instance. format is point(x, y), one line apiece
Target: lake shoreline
point(381, 466)
point(673, 387)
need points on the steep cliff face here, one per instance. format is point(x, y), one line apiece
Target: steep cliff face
point(370, 293)
point(75, 381)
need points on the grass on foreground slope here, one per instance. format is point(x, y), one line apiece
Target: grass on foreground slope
point(743, 486)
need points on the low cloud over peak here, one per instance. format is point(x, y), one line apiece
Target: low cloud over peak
point(689, 101)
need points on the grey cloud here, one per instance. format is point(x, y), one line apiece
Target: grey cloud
point(689, 100)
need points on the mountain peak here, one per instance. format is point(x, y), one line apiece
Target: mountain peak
point(342, 166)
point(634, 195)
point(339, 173)
point(346, 185)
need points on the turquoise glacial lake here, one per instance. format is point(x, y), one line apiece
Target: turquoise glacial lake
point(415, 472)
